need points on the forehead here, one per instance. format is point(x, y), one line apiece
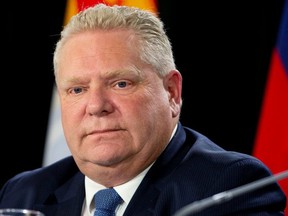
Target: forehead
point(101, 50)
point(102, 40)
point(101, 44)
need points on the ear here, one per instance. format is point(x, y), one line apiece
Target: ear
point(173, 84)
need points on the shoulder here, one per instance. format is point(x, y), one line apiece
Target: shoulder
point(61, 169)
point(207, 169)
point(209, 153)
point(41, 180)
point(208, 162)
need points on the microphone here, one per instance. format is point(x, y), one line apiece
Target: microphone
point(225, 196)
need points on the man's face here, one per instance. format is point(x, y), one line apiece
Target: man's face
point(116, 111)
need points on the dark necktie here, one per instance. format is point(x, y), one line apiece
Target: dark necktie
point(106, 201)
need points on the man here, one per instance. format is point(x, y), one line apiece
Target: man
point(120, 95)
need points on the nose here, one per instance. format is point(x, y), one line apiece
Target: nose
point(99, 103)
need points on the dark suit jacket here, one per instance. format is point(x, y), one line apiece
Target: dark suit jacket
point(191, 168)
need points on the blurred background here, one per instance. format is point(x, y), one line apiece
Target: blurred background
point(222, 49)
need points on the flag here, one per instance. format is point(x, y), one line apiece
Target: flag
point(55, 146)
point(271, 140)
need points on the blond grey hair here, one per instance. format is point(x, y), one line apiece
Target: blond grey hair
point(154, 46)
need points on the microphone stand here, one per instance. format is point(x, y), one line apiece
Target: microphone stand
point(225, 196)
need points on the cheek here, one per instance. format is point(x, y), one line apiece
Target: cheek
point(71, 128)
point(148, 106)
point(72, 108)
point(71, 116)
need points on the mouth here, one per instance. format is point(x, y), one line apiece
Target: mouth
point(103, 131)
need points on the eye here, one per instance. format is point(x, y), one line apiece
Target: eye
point(76, 90)
point(122, 84)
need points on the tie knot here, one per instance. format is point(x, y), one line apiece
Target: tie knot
point(106, 201)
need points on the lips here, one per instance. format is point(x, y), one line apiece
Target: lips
point(104, 131)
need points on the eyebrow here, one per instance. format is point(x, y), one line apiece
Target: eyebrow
point(130, 70)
